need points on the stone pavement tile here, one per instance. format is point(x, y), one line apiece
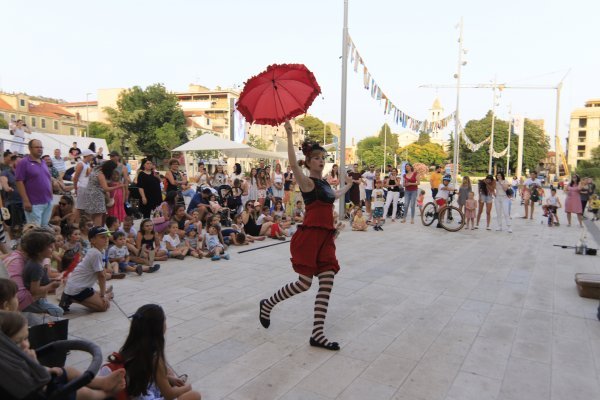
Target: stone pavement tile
point(431, 379)
point(222, 353)
point(389, 370)
point(194, 370)
point(265, 355)
point(570, 327)
point(486, 291)
point(540, 351)
point(512, 294)
point(413, 342)
point(224, 381)
point(332, 377)
point(309, 358)
point(469, 386)
point(488, 357)
point(184, 349)
point(367, 346)
point(363, 388)
point(456, 338)
point(302, 394)
point(574, 386)
point(272, 383)
point(572, 356)
point(526, 379)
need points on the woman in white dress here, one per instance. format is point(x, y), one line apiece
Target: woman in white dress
point(19, 129)
point(277, 180)
point(253, 191)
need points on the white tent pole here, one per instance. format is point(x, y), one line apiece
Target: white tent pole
point(342, 168)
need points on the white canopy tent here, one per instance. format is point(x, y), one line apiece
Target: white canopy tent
point(209, 142)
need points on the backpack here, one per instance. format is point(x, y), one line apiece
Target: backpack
point(535, 196)
point(116, 362)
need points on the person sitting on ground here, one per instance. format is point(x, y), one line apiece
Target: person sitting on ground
point(148, 242)
point(277, 232)
point(359, 223)
point(182, 219)
point(38, 244)
point(148, 374)
point(63, 213)
point(80, 285)
point(193, 242)
point(200, 202)
point(214, 244)
point(298, 213)
point(120, 254)
point(8, 295)
point(238, 227)
point(14, 326)
point(172, 243)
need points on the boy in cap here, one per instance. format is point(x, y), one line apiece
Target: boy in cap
point(80, 285)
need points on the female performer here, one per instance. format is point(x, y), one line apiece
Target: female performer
point(312, 246)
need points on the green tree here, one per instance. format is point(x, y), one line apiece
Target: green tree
point(3, 123)
point(257, 142)
point(428, 153)
point(149, 120)
point(424, 138)
point(535, 145)
point(315, 126)
point(386, 136)
point(590, 167)
point(104, 131)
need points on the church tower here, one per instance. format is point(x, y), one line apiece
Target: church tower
point(436, 113)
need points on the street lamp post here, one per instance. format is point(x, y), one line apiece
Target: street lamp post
point(87, 112)
point(456, 114)
point(342, 168)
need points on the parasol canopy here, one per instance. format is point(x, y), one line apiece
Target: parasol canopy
point(280, 93)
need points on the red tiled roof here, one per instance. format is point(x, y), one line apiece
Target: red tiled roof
point(79, 104)
point(49, 110)
point(5, 106)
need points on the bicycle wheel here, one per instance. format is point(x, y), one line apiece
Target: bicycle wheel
point(428, 215)
point(452, 219)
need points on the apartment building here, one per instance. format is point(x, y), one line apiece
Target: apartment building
point(584, 132)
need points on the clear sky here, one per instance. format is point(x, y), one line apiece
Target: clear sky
point(66, 49)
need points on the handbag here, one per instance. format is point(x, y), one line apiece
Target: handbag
point(48, 332)
point(5, 214)
point(157, 217)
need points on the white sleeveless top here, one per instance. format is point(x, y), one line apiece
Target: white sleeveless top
point(84, 177)
point(278, 178)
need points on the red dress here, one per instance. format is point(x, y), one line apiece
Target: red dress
point(118, 209)
point(313, 246)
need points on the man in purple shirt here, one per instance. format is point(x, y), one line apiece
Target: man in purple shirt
point(34, 185)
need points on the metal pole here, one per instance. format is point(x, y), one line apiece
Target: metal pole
point(324, 133)
point(87, 111)
point(507, 172)
point(493, 124)
point(384, 145)
point(456, 115)
point(556, 137)
point(342, 170)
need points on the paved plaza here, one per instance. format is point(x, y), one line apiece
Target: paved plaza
point(420, 313)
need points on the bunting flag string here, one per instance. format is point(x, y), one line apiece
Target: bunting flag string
point(399, 117)
point(474, 147)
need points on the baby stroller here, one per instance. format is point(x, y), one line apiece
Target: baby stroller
point(23, 378)
point(225, 199)
point(132, 206)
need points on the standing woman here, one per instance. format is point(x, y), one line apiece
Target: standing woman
point(573, 201)
point(277, 182)
point(502, 202)
point(175, 180)
point(333, 178)
point(11, 198)
point(288, 179)
point(411, 189)
point(261, 184)
point(253, 190)
point(93, 196)
point(312, 246)
point(463, 193)
point(219, 178)
point(584, 194)
point(149, 186)
point(392, 183)
point(237, 174)
point(487, 190)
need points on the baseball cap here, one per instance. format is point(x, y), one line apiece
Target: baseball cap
point(98, 230)
point(87, 152)
point(190, 228)
point(114, 154)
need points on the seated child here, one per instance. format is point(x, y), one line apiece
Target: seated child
point(265, 216)
point(38, 244)
point(149, 244)
point(214, 243)
point(277, 232)
point(358, 222)
point(214, 204)
point(193, 242)
point(172, 244)
point(58, 253)
point(120, 254)
point(238, 226)
point(14, 326)
point(298, 214)
point(80, 285)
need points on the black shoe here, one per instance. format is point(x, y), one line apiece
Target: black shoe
point(329, 346)
point(380, 228)
point(265, 322)
point(154, 268)
point(65, 302)
point(598, 313)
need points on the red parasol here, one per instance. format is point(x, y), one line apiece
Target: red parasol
point(281, 92)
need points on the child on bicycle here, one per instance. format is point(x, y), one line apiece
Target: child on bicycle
point(552, 204)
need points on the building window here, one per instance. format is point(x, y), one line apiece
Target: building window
point(581, 148)
point(22, 102)
point(72, 131)
point(55, 125)
point(582, 134)
point(33, 122)
point(582, 122)
point(43, 123)
point(580, 154)
point(13, 117)
point(24, 119)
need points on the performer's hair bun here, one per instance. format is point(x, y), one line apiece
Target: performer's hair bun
point(308, 146)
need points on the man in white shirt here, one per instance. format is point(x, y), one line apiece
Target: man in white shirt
point(369, 179)
point(58, 162)
point(532, 184)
